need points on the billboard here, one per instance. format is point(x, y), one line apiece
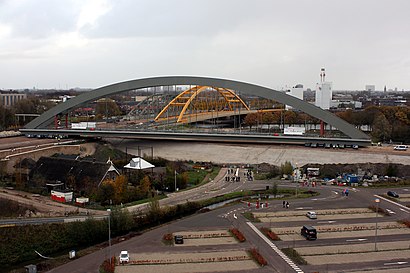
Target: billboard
point(297, 131)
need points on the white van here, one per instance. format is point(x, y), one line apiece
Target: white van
point(401, 147)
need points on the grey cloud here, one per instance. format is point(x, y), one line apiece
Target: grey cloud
point(40, 18)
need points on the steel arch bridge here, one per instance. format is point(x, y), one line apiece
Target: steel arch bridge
point(223, 86)
point(187, 97)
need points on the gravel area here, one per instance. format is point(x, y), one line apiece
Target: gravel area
point(274, 154)
point(357, 257)
point(342, 228)
point(189, 268)
point(319, 217)
point(347, 234)
point(208, 241)
point(318, 212)
point(167, 262)
point(352, 248)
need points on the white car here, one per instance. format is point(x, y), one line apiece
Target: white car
point(124, 257)
point(401, 147)
point(311, 215)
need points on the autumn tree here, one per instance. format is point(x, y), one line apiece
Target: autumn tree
point(381, 128)
point(251, 119)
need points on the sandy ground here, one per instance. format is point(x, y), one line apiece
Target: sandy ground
point(168, 262)
point(273, 154)
point(352, 248)
point(44, 206)
point(357, 257)
point(319, 218)
point(341, 228)
point(189, 268)
point(348, 234)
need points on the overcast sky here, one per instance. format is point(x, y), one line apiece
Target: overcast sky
point(92, 43)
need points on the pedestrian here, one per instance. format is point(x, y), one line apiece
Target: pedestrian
point(287, 204)
point(283, 203)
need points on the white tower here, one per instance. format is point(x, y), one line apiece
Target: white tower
point(323, 95)
point(297, 92)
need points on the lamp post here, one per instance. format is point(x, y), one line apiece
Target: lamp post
point(109, 234)
point(377, 201)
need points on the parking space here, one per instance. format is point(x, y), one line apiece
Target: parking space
point(355, 225)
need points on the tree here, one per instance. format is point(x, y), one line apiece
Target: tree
point(120, 187)
point(145, 186)
point(251, 120)
point(286, 168)
point(381, 128)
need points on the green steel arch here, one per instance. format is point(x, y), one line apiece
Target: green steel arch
point(245, 88)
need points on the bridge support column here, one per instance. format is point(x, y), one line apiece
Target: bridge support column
point(55, 122)
point(322, 128)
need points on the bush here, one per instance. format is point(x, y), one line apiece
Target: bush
point(238, 235)
point(167, 238)
point(258, 257)
point(270, 234)
point(107, 267)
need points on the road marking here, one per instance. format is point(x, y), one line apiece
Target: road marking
point(395, 203)
point(304, 208)
point(275, 248)
point(396, 263)
point(326, 222)
point(234, 216)
point(335, 192)
point(404, 210)
point(390, 211)
point(356, 240)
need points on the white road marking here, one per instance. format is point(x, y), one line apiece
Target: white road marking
point(395, 203)
point(335, 192)
point(304, 208)
point(396, 263)
point(390, 211)
point(356, 240)
point(326, 222)
point(234, 216)
point(275, 248)
point(404, 210)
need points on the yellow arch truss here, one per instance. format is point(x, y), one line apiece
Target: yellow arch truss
point(185, 99)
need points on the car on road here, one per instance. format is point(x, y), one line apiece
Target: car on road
point(124, 257)
point(179, 239)
point(393, 194)
point(311, 215)
point(309, 232)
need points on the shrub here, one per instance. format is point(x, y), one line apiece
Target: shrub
point(167, 239)
point(405, 222)
point(238, 235)
point(270, 234)
point(257, 257)
point(107, 267)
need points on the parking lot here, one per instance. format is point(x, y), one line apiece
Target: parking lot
point(344, 236)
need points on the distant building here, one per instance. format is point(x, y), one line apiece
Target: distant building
point(297, 92)
point(10, 99)
point(323, 96)
point(370, 88)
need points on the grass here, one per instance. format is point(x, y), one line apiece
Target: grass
point(294, 256)
point(249, 215)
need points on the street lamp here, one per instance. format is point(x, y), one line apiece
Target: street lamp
point(109, 234)
point(377, 200)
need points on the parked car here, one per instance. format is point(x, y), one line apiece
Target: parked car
point(124, 257)
point(179, 239)
point(311, 215)
point(401, 148)
point(393, 194)
point(309, 232)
